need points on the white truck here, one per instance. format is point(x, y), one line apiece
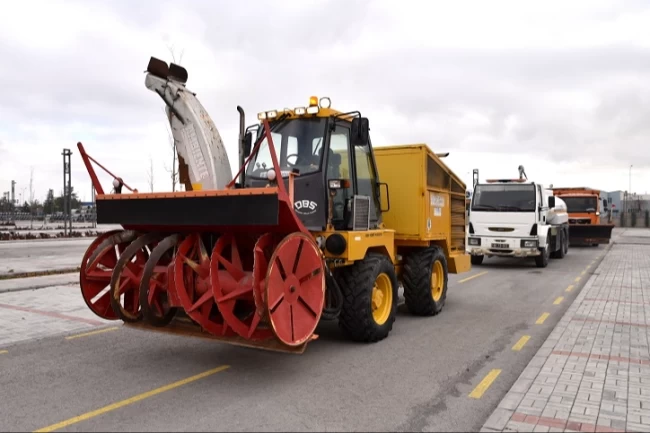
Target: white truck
point(516, 218)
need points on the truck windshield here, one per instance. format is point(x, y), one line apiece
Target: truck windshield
point(504, 198)
point(298, 144)
point(580, 204)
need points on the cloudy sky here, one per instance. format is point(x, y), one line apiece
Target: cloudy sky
point(560, 87)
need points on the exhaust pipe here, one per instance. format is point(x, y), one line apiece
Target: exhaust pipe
point(242, 157)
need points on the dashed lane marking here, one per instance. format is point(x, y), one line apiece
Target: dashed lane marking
point(473, 276)
point(577, 280)
point(2, 352)
point(485, 384)
point(128, 401)
point(568, 289)
point(558, 300)
point(87, 334)
point(521, 343)
point(542, 318)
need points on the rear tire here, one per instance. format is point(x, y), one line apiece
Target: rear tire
point(477, 260)
point(425, 281)
point(370, 295)
point(564, 245)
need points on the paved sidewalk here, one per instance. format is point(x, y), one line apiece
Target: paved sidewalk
point(593, 371)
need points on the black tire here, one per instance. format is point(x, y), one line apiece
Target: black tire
point(477, 260)
point(418, 271)
point(563, 246)
point(542, 260)
point(357, 283)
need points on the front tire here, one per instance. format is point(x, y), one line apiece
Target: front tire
point(425, 281)
point(542, 260)
point(369, 298)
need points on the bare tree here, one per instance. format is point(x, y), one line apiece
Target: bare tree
point(150, 173)
point(173, 171)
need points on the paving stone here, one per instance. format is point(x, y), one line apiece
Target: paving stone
point(594, 369)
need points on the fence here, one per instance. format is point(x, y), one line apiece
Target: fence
point(632, 219)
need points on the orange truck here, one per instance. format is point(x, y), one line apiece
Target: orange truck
point(585, 209)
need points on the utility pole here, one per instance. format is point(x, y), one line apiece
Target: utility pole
point(67, 193)
point(13, 200)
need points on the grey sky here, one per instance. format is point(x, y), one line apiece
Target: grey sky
point(562, 88)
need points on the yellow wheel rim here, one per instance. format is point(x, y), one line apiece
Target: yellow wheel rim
point(437, 281)
point(382, 299)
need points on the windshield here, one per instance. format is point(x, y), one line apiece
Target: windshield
point(580, 204)
point(298, 144)
point(504, 198)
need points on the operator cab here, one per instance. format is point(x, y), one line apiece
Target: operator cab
point(330, 153)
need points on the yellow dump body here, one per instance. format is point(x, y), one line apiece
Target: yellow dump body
point(427, 201)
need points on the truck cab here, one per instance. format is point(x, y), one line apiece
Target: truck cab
point(516, 218)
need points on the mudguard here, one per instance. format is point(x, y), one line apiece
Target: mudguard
point(197, 139)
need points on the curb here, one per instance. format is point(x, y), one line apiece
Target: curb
point(18, 275)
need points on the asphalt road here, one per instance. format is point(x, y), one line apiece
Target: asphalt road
point(41, 255)
point(419, 379)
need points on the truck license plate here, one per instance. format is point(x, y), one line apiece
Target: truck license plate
point(500, 246)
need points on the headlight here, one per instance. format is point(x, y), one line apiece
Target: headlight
point(325, 102)
point(270, 175)
point(475, 241)
point(313, 109)
point(299, 111)
point(529, 244)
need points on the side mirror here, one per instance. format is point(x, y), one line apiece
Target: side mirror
point(248, 143)
point(360, 131)
point(551, 202)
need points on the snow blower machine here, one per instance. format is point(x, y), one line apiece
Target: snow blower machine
point(304, 232)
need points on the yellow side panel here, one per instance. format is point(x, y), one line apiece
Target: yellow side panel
point(438, 214)
point(403, 170)
point(359, 242)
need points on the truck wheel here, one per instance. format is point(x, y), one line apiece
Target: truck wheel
point(542, 260)
point(369, 298)
point(477, 260)
point(563, 246)
point(425, 281)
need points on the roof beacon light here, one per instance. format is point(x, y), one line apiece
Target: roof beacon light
point(299, 111)
point(313, 101)
point(325, 102)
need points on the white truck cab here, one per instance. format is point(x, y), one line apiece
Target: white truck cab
point(516, 218)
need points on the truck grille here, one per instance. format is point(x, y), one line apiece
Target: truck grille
point(579, 220)
point(361, 212)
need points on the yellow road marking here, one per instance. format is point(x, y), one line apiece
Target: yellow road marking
point(583, 272)
point(131, 400)
point(485, 384)
point(86, 334)
point(588, 266)
point(521, 343)
point(542, 319)
point(568, 289)
point(473, 276)
point(558, 300)
point(2, 352)
point(577, 280)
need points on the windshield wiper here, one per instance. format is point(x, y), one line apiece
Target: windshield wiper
point(483, 206)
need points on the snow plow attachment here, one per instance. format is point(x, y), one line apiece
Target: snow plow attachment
point(590, 234)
